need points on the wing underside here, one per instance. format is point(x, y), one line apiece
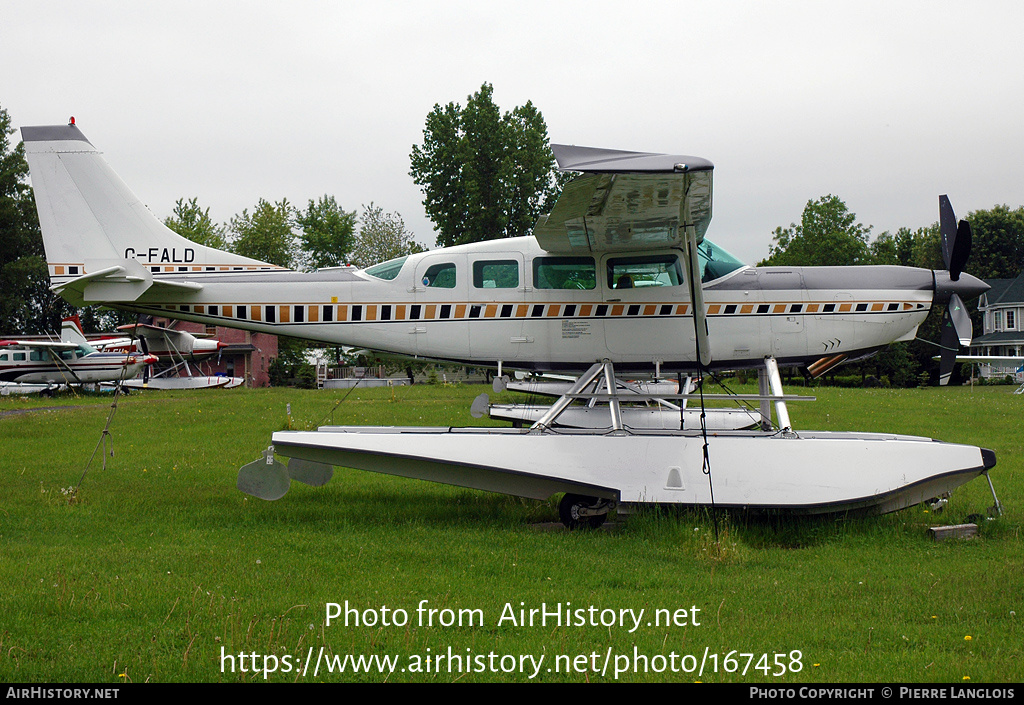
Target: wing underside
point(626, 201)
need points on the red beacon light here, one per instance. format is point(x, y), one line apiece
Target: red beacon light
point(71, 122)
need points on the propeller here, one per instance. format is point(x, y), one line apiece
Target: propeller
point(956, 323)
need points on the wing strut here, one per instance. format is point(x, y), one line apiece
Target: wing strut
point(703, 349)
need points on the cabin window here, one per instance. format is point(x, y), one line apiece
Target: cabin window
point(19, 357)
point(386, 270)
point(496, 274)
point(67, 355)
point(35, 356)
point(440, 276)
point(640, 272)
point(564, 273)
point(3, 357)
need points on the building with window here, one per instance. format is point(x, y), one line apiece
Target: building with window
point(1002, 327)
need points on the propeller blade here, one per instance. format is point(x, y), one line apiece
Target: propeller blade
point(947, 228)
point(949, 342)
point(956, 239)
point(961, 321)
point(960, 250)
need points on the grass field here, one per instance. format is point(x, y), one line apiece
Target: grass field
point(160, 570)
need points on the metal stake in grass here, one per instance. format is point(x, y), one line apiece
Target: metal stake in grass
point(105, 434)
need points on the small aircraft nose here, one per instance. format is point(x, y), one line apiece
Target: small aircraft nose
point(967, 287)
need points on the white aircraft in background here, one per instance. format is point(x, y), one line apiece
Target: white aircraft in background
point(180, 347)
point(618, 279)
point(43, 364)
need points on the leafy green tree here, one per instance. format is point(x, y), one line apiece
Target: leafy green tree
point(26, 303)
point(998, 243)
point(266, 234)
point(194, 223)
point(828, 235)
point(382, 236)
point(484, 175)
point(328, 233)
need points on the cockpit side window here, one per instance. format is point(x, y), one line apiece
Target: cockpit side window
point(641, 272)
point(715, 262)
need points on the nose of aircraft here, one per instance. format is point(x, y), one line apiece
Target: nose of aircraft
point(967, 287)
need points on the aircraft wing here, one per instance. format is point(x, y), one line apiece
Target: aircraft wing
point(41, 344)
point(626, 201)
point(1004, 360)
point(160, 339)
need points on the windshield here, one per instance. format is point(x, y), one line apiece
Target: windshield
point(715, 262)
point(386, 270)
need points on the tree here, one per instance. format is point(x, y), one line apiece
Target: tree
point(265, 235)
point(382, 236)
point(192, 222)
point(484, 175)
point(328, 233)
point(998, 243)
point(26, 303)
point(828, 235)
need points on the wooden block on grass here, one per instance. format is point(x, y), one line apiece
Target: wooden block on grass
point(957, 531)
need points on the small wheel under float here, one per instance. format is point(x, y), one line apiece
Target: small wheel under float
point(580, 512)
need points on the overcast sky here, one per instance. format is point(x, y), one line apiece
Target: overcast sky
point(884, 104)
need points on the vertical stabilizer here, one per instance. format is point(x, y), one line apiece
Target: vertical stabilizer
point(91, 220)
point(71, 331)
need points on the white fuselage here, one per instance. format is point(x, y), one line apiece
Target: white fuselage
point(30, 365)
point(518, 317)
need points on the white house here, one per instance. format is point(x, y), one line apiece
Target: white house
point(1002, 308)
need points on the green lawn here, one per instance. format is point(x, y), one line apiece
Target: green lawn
point(160, 570)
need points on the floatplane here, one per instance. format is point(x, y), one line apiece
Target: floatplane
point(32, 366)
point(178, 347)
point(619, 279)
